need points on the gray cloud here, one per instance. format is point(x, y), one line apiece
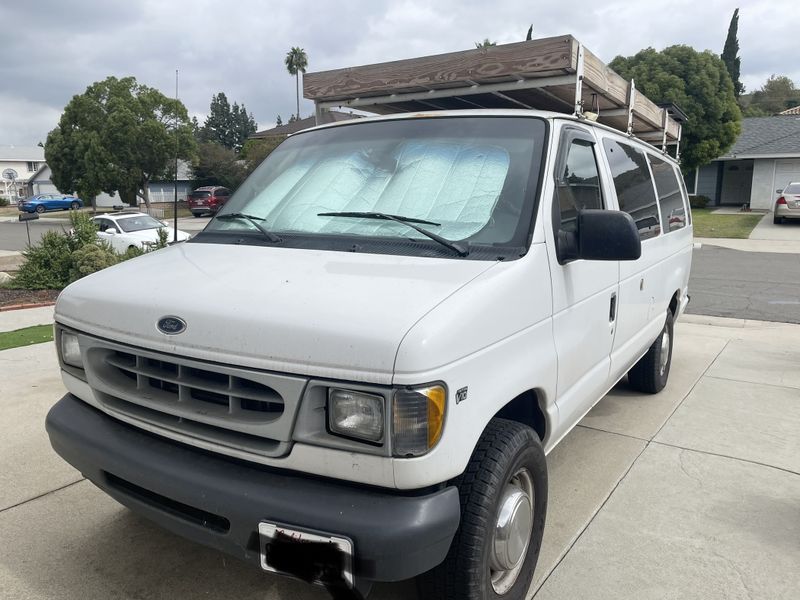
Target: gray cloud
point(239, 47)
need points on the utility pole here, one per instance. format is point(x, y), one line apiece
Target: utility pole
point(175, 209)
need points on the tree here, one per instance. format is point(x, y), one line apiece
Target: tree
point(255, 151)
point(730, 54)
point(699, 83)
point(227, 125)
point(529, 37)
point(117, 137)
point(278, 121)
point(486, 43)
point(296, 62)
point(776, 95)
point(218, 165)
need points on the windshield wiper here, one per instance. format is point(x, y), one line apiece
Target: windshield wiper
point(254, 221)
point(408, 221)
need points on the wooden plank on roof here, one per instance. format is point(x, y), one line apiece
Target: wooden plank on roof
point(508, 61)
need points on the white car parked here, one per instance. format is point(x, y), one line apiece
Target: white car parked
point(125, 230)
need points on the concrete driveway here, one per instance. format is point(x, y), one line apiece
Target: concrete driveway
point(788, 231)
point(691, 493)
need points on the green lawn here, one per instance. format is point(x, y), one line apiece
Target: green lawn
point(711, 225)
point(27, 336)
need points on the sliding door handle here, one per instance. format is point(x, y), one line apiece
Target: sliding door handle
point(612, 311)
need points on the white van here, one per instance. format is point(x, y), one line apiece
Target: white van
point(355, 372)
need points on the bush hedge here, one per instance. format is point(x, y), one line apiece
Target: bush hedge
point(61, 257)
point(4, 201)
point(699, 201)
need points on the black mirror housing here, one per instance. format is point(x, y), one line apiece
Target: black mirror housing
point(607, 235)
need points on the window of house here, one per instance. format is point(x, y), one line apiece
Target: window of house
point(32, 166)
point(634, 186)
point(670, 199)
point(578, 183)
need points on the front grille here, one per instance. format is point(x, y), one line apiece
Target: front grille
point(222, 407)
point(198, 389)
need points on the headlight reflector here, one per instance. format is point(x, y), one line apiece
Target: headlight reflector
point(70, 350)
point(417, 419)
point(355, 414)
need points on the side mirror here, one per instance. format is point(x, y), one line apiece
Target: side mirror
point(778, 191)
point(607, 235)
point(601, 235)
point(111, 231)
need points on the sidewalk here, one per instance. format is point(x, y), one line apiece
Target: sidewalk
point(11, 320)
point(690, 493)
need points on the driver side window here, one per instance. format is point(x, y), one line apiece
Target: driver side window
point(577, 183)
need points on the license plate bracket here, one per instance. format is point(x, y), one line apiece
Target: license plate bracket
point(317, 558)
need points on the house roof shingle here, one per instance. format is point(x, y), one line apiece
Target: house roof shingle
point(22, 153)
point(334, 117)
point(761, 136)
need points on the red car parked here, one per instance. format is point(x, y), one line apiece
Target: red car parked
point(208, 199)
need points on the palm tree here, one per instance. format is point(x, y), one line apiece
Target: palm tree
point(486, 43)
point(296, 62)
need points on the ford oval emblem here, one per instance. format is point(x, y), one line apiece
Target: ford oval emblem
point(171, 325)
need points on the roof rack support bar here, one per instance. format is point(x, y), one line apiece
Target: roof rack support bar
point(664, 118)
point(631, 101)
point(579, 83)
point(510, 99)
point(678, 143)
point(483, 88)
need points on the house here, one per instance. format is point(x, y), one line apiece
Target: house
point(17, 165)
point(282, 131)
point(795, 110)
point(764, 159)
point(160, 190)
point(40, 182)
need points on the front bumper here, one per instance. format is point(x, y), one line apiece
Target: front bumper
point(219, 502)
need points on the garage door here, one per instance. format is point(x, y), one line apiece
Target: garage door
point(786, 172)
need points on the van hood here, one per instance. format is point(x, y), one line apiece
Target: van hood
point(319, 313)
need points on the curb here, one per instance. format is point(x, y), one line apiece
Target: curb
point(23, 306)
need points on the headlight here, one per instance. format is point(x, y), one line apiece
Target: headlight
point(70, 350)
point(355, 414)
point(417, 419)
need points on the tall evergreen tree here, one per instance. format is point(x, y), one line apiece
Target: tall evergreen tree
point(730, 53)
point(227, 125)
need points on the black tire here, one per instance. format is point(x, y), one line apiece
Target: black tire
point(505, 449)
point(650, 374)
point(777, 220)
point(74, 206)
point(195, 214)
point(40, 208)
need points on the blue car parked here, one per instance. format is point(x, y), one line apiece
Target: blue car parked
point(44, 202)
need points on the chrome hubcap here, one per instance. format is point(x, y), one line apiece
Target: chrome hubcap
point(664, 350)
point(512, 531)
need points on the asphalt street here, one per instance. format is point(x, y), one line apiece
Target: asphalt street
point(745, 285)
point(13, 235)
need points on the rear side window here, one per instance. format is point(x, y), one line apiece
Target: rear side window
point(633, 186)
point(792, 188)
point(673, 211)
point(201, 194)
point(577, 183)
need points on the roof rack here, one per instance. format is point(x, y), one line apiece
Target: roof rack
point(557, 74)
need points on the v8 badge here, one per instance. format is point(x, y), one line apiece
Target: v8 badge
point(461, 395)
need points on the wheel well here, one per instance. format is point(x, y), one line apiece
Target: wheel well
point(525, 409)
point(673, 304)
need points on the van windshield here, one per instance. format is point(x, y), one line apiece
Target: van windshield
point(470, 180)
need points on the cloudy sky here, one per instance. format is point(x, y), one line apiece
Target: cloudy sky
point(53, 49)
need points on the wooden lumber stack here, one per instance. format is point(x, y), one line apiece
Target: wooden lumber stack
point(540, 74)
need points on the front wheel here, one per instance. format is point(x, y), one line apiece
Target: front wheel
point(503, 507)
point(74, 206)
point(40, 208)
point(650, 374)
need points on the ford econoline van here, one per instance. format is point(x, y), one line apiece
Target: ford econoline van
point(355, 372)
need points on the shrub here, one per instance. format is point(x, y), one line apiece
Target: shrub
point(699, 201)
point(3, 201)
point(90, 259)
point(60, 258)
